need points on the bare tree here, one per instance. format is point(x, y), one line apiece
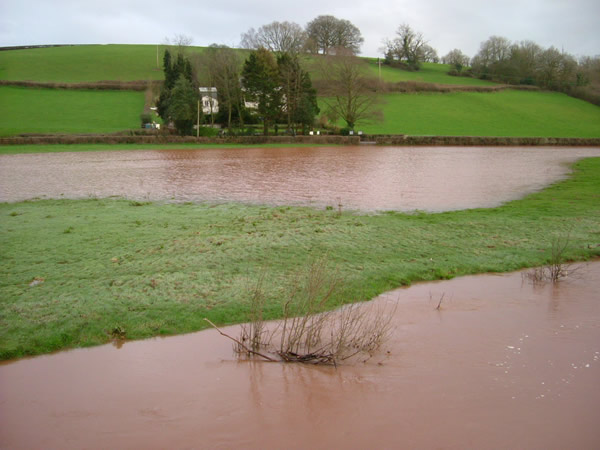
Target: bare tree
point(430, 54)
point(180, 42)
point(555, 69)
point(407, 47)
point(348, 96)
point(327, 33)
point(493, 55)
point(284, 37)
point(457, 59)
point(220, 67)
point(523, 59)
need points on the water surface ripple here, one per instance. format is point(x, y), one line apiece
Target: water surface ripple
point(503, 365)
point(366, 178)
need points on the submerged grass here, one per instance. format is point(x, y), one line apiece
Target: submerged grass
point(73, 271)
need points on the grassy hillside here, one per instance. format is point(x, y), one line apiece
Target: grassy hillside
point(510, 113)
point(26, 110)
point(505, 113)
point(429, 73)
point(82, 63)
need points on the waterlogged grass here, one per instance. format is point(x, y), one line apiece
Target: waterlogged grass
point(150, 269)
point(26, 110)
point(57, 148)
point(505, 113)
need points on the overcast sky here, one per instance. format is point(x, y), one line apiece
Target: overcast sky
point(569, 25)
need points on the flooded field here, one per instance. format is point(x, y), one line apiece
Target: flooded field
point(366, 178)
point(503, 364)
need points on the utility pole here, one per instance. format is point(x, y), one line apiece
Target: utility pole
point(198, 121)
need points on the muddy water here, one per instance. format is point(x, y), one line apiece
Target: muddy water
point(503, 364)
point(365, 178)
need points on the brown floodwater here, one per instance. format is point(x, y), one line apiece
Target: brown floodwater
point(503, 364)
point(365, 178)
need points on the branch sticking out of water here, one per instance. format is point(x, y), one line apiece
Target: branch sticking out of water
point(308, 333)
point(262, 355)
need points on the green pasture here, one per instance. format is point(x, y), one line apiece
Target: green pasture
point(505, 113)
point(150, 269)
point(88, 63)
point(27, 110)
point(58, 148)
point(82, 63)
point(429, 73)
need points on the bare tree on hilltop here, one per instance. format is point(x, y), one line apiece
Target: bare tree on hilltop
point(327, 33)
point(408, 48)
point(457, 59)
point(281, 37)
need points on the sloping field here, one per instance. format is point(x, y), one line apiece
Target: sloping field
point(26, 110)
point(429, 73)
point(509, 113)
point(505, 113)
point(85, 63)
point(82, 63)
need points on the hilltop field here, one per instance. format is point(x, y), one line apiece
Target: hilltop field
point(43, 110)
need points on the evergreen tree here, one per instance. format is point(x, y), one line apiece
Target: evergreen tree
point(260, 79)
point(178, 94)
point(183, 106)
point(299, 97)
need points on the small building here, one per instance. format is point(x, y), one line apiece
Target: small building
point(208, 97)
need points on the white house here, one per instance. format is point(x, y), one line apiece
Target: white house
point(208, 96)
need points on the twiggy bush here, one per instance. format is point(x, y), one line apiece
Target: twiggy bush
point(307, 333)
point(557, 267)
point(253, 332)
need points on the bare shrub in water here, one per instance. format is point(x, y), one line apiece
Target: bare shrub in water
point(557, 267)
point(253, 332)
point(307, 333)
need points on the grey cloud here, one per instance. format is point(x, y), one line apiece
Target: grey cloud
point(464, 24)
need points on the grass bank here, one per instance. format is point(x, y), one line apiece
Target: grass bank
point(156, 269)
point(58, 148)
point(509, 113)
point(26, 110)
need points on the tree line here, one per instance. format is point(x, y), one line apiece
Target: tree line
point(503, 61)
point(323, 35)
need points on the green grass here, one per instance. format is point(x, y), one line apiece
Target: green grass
point(57, 148)
point(508, 113)
point(156, 269)
point(86, 63)
point(429, 73)
point(505, 113)
point(82, 63)
point(26, 110)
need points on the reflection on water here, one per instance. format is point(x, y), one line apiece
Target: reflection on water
point(503, 364)
point(366, 178)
